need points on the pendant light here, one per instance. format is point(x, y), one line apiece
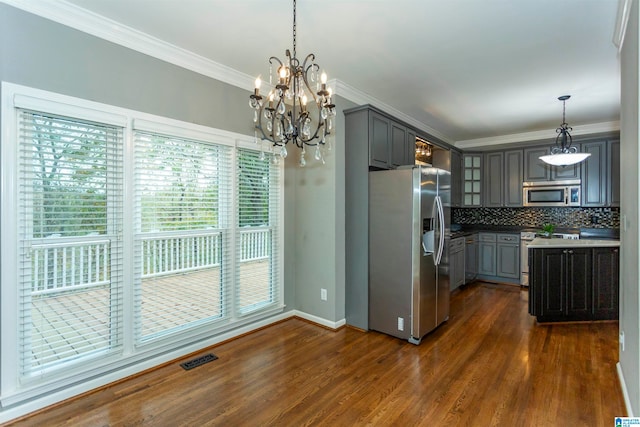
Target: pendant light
point(563, 153)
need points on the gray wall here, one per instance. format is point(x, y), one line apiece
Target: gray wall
point(319, 227)
point(45, 55)
point(629, 262)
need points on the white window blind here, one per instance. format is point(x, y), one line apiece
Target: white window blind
point(183, 201)
point(70, 247)
point(87, 291)
point(257, 216)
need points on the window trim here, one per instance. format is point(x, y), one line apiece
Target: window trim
point(134, 358)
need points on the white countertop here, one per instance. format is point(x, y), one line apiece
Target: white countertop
point(540, 242)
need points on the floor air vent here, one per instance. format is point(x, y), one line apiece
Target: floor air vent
point(194, 363)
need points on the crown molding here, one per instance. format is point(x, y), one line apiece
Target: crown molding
point(622, 18)
point(488, 143)
point(73, 16)
point(361, 98)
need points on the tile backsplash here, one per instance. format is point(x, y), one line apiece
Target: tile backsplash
point(536, 217)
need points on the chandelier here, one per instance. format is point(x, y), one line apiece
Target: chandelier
point(298, 109)
point(563, 153)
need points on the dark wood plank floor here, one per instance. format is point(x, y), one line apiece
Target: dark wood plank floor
point(490, 364)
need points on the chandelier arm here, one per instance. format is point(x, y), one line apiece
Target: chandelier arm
point(260, 126)
point(275, 58)
point(317, 102)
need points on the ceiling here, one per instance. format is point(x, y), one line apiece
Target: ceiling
point(473, 71)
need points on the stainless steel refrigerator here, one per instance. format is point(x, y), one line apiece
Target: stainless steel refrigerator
point(409, 219)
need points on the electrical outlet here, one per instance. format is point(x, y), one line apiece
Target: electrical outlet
point(400, 324)
point(621, 340)
point(323, 294)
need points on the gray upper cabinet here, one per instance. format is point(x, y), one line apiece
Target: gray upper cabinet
point(513, 166)
point(493, 179)
point(503, 179)
point(411, 148)
point(398, 145)
point(379, 131)
point(472, 180)
point(534, 168)
point(613, 188)
point(594, 174)
point(537, 170)
point(390, 143)
point(601, 174)
point(456, 179)
point(561, 173)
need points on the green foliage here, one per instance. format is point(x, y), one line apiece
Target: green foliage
point(548, 229)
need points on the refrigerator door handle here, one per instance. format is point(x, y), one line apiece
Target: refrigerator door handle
point(435, 215)
point(440, 229)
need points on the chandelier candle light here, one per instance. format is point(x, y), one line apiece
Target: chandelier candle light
point(563, 153)
point(294, 111)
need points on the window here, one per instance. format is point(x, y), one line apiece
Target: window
point(70, 248)
point(183, 192)
point(126, 237)
point(257, 219)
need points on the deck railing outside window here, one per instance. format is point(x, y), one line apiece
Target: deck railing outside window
point(66, 265)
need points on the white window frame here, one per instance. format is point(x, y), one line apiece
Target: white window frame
point(134, 358)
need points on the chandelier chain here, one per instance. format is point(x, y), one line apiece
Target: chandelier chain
point(294, 28)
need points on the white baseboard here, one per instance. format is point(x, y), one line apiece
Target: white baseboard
point(319, 320)
point(625, 393)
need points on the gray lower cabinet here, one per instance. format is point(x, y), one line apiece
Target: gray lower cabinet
point(456, 262)
point(487, 254)
point(471, 258)
point(508, 256)
point(499, 257)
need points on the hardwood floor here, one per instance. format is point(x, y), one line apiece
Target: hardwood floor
point(490, 364)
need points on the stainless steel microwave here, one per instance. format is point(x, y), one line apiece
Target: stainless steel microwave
point(551, 193)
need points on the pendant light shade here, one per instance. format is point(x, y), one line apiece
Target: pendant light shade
point(563, 153)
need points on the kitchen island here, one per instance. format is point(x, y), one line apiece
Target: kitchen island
point(573, 280)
